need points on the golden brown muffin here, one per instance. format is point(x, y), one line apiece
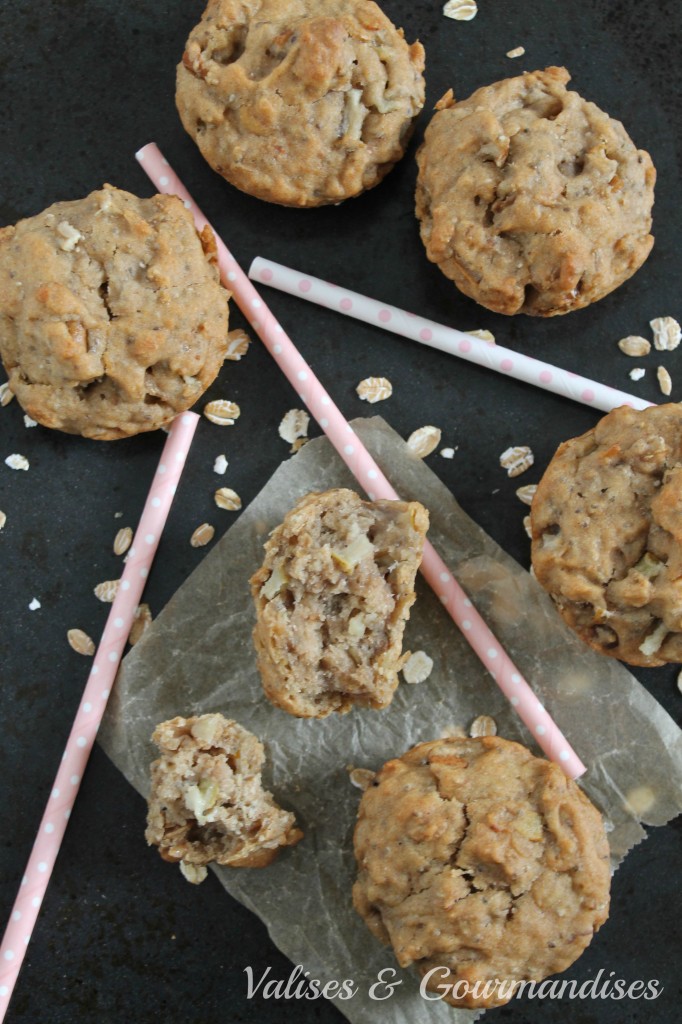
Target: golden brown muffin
point(112, 316)
point(607, 534)
point(299, 102)
point(332, 599)
point(207, 803)
point(531, 199)
point(480, 864)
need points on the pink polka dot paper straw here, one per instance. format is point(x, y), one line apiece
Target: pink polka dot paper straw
point(93, 703)
point(447, 339)
point(371, 478)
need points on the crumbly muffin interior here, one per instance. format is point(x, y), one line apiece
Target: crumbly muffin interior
point(207, 802)
point(332, 598)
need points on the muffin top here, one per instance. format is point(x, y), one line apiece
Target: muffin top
point(299, 102)
point(530, 198)
point(606, 522)
point(112, 316)
point(479, 862)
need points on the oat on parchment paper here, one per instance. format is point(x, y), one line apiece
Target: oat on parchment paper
point(197, 657)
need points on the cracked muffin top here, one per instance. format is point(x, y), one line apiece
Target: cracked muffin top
point(606, 524)
point(299, 102)
point(112, 316)
point(480, 864)
point(531, 199)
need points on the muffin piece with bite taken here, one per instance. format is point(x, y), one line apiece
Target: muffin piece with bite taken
point(207, 803)
point(332, 598)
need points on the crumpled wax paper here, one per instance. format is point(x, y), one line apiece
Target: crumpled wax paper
point(198, 657)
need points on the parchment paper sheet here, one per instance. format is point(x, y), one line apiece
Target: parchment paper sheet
point(197, 657)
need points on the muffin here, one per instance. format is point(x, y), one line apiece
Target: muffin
point(482, 865)
point(332, 599)
point(207, 803)
point(531, 199)
point(606, 525)
point(299, 102)
point(112, 316)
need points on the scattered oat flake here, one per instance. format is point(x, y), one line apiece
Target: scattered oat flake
point(106, 592)
point(451, 732)
point(460, 10)
point(141, 622)
point(417, 668)
point(80, 642)
point(3, 520)
point(222, 412)
point(640, 799)
point(667, 333)
point(634, 345)
point(34, 604)
point(6, 393)
point(518, 51)
point(526, 493)
point(237, 345)
point(118, 515)
point(637, 373)
point(361, 778)
point(679, 675)
point(220, 465)
point(228, 499)
point(374, 389)
point(294, 425)
point(123, 540)
point(483, 335)
point(447, 453)
point(28, 422)
point(202, 535)
point(527, 526)
point(298, 444)
point(423, 441)
point(517, 460)
point(194, 873)
point(484, 725)
point(664, 379)
point(17, 462)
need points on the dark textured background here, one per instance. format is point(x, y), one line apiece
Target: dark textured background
point(83, 84)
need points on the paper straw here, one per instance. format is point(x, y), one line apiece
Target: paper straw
point(93, 704)
point(446, 339)
point(370, 477)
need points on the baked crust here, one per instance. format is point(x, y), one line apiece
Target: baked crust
point(531, 199)
point(482, 861)
point(299, 102)
point(332, 599)
point(606, 524)
point(112, 316)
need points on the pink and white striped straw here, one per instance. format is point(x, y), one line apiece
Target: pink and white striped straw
point(369, 475)
point(446, 339)
point(93, 704)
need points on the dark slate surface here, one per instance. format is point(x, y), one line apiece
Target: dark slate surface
point(84, 83)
